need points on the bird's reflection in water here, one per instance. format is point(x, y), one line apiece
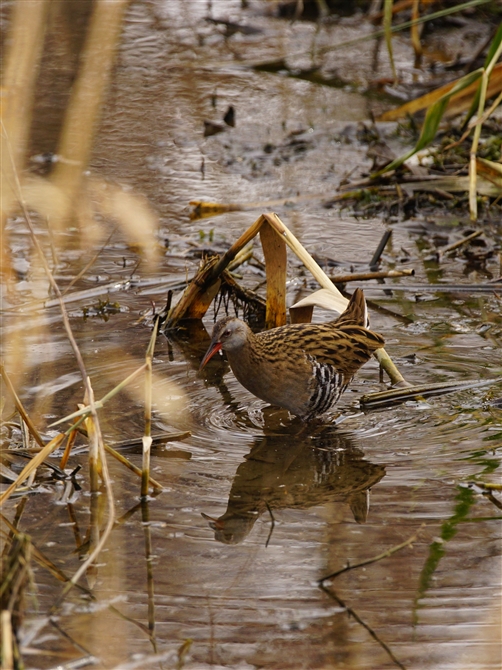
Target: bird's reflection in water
point(286, 471)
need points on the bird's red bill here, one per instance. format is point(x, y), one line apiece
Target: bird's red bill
point(213, 349)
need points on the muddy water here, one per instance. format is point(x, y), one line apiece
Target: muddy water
point(289, 504)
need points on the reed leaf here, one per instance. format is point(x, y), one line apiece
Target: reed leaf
point(432, 121)
point(387, 26)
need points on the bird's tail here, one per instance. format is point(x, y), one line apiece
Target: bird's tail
point(356, 312)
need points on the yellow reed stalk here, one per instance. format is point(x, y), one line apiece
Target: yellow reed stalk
point(322, 278)
point(147, 437)
point(23, 51)
point(87, 97)
point(99, 404)
point(37, 460)
point(473, 203)
point(137, 471)
point(20, 408)
point(274, 250)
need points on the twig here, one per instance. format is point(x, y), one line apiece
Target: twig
point(364, 276)
point(379, 250)
point(459, 243)
point(368, 561)
point(350, 611)
point(354, 615)
point(89, 264)
point(272, 524)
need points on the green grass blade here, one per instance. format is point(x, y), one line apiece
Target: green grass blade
point(432, 121)
point(387, 26)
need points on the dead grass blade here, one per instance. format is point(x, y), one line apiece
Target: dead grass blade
point(491, 171)
point(432, 121)
point(458, 102)
point(37, 460)
point(20, 408)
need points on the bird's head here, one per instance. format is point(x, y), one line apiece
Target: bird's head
point(228, 334)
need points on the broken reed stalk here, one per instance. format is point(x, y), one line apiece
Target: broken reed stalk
point(95, 464)
point(366, 276)
point(274, 251)
point(147, 437)
point(322, 278)
point(133, 468)
point(201, 291)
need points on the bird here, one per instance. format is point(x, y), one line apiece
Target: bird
point(303, 367)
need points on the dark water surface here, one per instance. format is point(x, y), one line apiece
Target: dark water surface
point(290, 504)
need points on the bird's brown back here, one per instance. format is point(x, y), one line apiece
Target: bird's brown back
point(347, 347)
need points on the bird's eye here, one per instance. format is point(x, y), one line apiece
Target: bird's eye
point(226, 333)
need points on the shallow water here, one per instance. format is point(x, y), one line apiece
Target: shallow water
point(289, 504)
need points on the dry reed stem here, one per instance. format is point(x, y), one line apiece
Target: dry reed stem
point(87, 386)
point(485, 77)
point(147, 529)
point(322, 278)
point(274, 251)
point(87, 97)
point(7, 641)
point(95, 464)
point(99, 404)
point(398, 395)
point(69, 444)
point(20, 408)
point(366, 276)
point(23, 51)
point(37, 460)
point(203, 288)
point(147, 437)
point(137, 471)
point(459, 243)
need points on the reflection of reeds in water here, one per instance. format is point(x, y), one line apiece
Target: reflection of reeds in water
point(59, 201)
point(297, 473)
